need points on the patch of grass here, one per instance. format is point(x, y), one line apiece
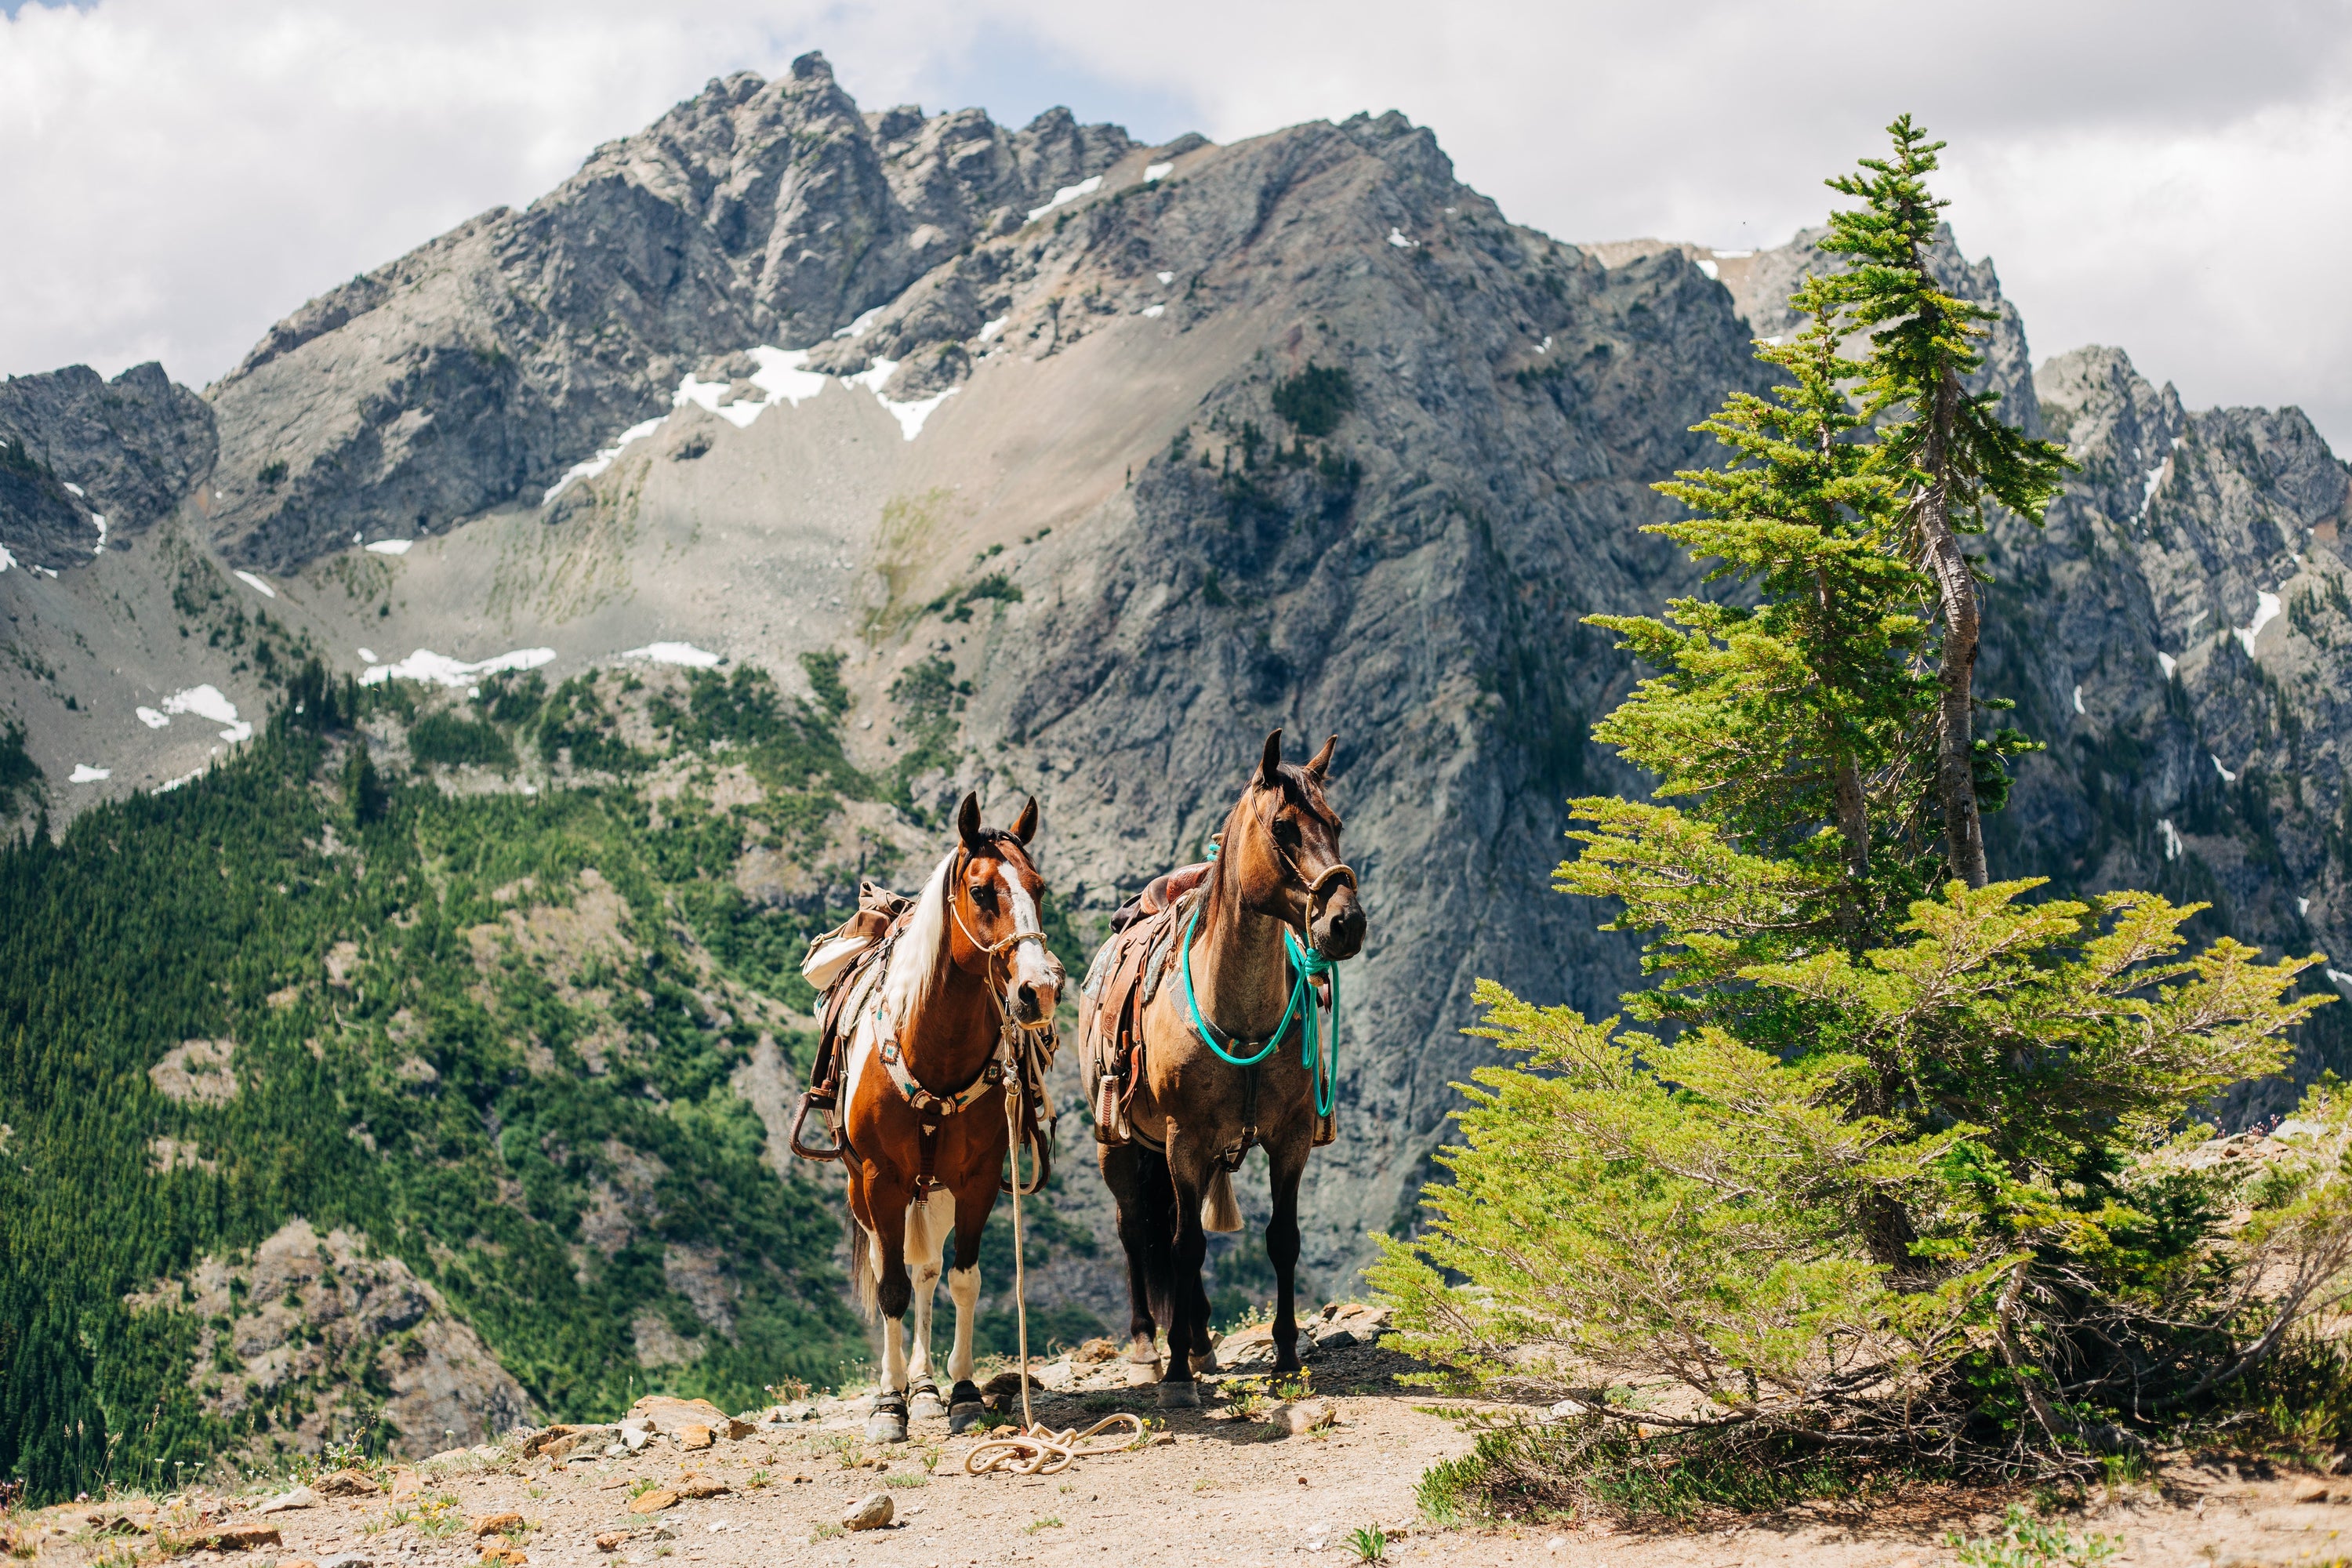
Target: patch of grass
point(1370, 1543)
point(824, 1533)
point(438, 1515)
point(2024, 1542)
point(907, 1479)
point(1517, 1470)
point(1051, 1521)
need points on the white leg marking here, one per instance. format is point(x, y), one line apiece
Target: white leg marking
point(927, 1224)
point(963, 1289)
point(893, 1355)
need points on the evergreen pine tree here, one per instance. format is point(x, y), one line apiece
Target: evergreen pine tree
point(1901, 1165)
point(1947, 451)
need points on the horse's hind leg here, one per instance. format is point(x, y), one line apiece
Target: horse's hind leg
point(927, 1224)
point(1190, 1245)
point(1130, 1171)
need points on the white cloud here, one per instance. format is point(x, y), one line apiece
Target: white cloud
point(2153, 176)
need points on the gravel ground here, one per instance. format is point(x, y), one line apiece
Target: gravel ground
point(1229, 1489)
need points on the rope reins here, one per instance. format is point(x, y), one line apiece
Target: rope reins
point(1036, 1450)
point(1319, 1056)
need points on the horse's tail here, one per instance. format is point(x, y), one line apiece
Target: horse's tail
point(1159, 1235)
point(862, 1283)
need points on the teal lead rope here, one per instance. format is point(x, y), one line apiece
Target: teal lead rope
point(1319, 1049)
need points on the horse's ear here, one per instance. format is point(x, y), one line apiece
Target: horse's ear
point(1025, 827)
point(1269, 766)
point(1320, 763)
point(968, 825)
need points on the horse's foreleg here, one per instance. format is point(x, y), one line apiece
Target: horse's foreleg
point(1286, 1165)
point(892, 1292)
point(972, 1206)
point(927, 1226)
point(1177, 1390)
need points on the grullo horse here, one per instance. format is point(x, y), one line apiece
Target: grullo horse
point(965, 1004)
point(1229, 1056)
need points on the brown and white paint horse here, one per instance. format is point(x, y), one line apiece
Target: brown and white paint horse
point(969, 971)
point(1279, 868)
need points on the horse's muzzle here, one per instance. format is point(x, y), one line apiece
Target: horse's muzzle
point(1032, 1002)
point(1340, 925)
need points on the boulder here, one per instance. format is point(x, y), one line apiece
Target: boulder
point(872, 1511)
point(653, 1501)
point(1306, 1416)
point(497, 1524)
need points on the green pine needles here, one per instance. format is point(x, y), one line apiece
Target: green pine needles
point(1896, 1160)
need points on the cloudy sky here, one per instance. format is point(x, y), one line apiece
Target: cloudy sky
point(2166, 176)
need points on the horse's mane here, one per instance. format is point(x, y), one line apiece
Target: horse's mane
point(915, 959)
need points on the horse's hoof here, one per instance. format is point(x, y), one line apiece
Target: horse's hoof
point(923, 1403)
point(888, 1422)
point(1182, 1396)
point(1142, 1374)
point(961, 1415)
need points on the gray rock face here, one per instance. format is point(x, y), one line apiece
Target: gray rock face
point(74, 448)
point(2181, 635)
point(475, 369)
point(1415, 580)
point(314, 1312)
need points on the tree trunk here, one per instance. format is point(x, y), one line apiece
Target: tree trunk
point(1956, 586)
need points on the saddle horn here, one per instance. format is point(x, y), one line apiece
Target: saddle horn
point(968, 825)
point(1269, 766)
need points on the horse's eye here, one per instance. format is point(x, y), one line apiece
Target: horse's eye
point(1285, 831)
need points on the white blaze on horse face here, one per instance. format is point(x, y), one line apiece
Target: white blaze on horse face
point(1032, 965)
point(963, 1289)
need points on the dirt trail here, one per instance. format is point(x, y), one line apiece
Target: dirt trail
point(1225, 1491)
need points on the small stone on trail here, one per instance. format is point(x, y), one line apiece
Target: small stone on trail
point(611, 1541)
point(652, 1501)
point(237, 1538)
point(700, 1487)
point(348, 1559)
point(1306, 1416)
point(695, 1437)
point(1095, 1350)
point(497, 1524)
point(300, 1497)
point(869, 1513)
point(347, 1483)
point(2314, 1491)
